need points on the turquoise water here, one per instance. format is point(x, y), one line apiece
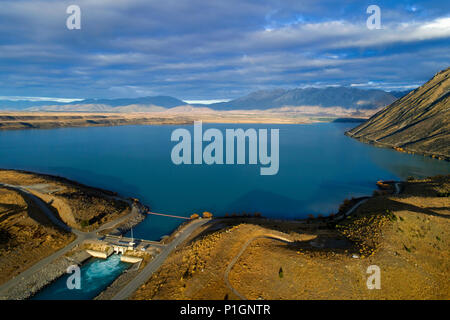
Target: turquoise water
point(319, 167)
point(96, 275)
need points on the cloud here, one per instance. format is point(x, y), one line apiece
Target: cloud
point(204, 50)
point(35, 99)
point(206, 101)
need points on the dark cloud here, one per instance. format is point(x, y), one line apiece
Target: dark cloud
point(200, 49)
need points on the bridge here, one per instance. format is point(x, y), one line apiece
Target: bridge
point(168, 215)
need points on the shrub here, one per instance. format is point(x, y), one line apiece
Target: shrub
point(443, 194)
point(195, 216)
point(391, 216)
point(84, 223)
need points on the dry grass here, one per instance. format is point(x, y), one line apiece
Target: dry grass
point(180, 115)
point(79, 206)
point(416, 123)
point(405, 235)
point(26, 234)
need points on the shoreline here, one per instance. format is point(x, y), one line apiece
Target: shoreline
point(22, 121)
point(131, 222)
point(433, 155)
point(51, 120)
point(48, 275)
point(48, 268)
point(400, 228)
point(124, 278)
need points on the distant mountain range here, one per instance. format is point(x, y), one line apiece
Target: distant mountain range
point(418, 122)
point(348, 98)
point(160, 101)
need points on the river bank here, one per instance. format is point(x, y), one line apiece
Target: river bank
point(29, 286)
point(405, 235)
point(406, 149)
point(43, 280)
point(41, 230)
point(15, 120)
point(338, 236)
point(49, 120)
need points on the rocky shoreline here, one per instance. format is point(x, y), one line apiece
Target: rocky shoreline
point(33, 284)
point(132, 221)
point(404, 149)
point(135, 219)
point(30, 285)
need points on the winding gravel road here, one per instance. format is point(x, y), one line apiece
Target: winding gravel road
point(274, 237)
point(81, 236)
point(153, 266)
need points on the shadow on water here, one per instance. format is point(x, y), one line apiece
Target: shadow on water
point(319, 167)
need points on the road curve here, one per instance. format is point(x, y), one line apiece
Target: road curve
point(363, 200)
point(81, 236)
point(268, 236)
point(44, 262)
point(155, 264)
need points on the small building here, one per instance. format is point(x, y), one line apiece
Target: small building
point(120, 249)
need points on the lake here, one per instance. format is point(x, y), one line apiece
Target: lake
point(319, 167)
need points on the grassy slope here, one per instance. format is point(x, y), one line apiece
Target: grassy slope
point(406, 235)
point(26, 234)
point(79, 206)
point(418, 122)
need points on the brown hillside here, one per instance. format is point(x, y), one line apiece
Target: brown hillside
point(79, 206)
point(406, 235)
point(26, 234)
point(419, 122)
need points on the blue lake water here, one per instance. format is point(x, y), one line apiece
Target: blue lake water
point(319, 167)
point(96, 276)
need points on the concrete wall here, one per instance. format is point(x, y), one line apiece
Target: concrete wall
point(97, 254)
point(130, 259)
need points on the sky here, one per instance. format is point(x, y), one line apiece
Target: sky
point(201, 50)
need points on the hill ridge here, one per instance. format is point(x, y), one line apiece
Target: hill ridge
point(419, 122)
